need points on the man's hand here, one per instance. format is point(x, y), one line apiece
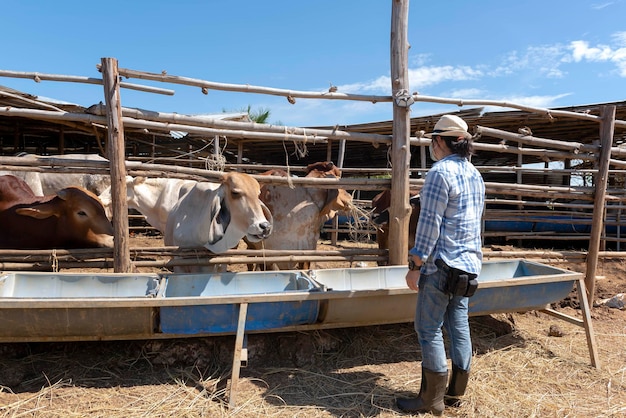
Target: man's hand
point(412, 279)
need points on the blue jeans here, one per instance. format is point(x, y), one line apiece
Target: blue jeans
point(435, 310)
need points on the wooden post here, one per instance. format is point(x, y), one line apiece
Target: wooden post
point(334, 236)
point(329, 151)
point(399, 209)
point(111, 80)
point(239, 152)
point(607, 128)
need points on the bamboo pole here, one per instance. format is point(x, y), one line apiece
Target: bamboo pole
point(575, 147)
point(291, 95)
point(310, 133)
point(606, 139)
point(38, 77)
point(399, 210)
point(116, 155)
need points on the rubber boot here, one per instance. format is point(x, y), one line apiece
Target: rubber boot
point(457, 386)
point(430, 398)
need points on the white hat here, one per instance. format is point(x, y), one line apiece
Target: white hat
point(450, 125)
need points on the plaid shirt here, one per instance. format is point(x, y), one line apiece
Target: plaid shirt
point(449, 225)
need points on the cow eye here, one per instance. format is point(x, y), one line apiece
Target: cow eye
point(82, 213)
point(236, 193)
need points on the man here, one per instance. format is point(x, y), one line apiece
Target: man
point(447, 245)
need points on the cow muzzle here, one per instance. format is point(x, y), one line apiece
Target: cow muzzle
point(263, 228)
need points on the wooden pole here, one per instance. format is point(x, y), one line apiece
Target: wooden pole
point(334, 236)
point(607, 128)
point(399, 209)
point(116, 149)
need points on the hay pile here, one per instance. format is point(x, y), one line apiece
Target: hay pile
point(519, 370)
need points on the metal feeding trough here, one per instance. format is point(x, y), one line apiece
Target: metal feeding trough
point(222, 318)
point(72, 317)
point(504, 286)
point(379, 295)
point(519, 285)
point(72, 306)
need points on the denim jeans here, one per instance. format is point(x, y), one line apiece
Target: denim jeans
point(435, 310)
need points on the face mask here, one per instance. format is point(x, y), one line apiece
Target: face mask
point(432, 151)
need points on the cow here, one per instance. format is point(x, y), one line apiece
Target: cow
point(380, 217)
point(300, 212)
point(44, 184)
point(72, 218)
point(152, 197)
point(218, 215)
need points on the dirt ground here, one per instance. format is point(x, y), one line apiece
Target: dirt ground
point(524, 365)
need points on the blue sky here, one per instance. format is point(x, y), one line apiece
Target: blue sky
point(539, 53)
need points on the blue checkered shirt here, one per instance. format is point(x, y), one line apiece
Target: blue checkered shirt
point(449, 226)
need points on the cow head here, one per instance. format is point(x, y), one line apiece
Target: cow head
point(336, 199)
point(81, 219)
point(238, 213)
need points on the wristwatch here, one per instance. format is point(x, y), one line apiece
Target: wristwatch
point(413, 265)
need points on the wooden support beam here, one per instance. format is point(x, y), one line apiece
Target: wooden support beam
point(116, 157)
point(607, 127)
point(399, 209)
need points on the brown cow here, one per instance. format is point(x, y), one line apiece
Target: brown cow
point(73, 218)
point(300, 212)
point(380, 204)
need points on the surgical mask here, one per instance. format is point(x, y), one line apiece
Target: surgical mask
point(432, 151)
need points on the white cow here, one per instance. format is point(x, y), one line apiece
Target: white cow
point(44, 184)
point(152, 197)
point(218, 215)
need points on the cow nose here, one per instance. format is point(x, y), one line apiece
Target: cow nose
point(266, 227)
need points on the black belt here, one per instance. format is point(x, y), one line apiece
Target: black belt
point(442, 265)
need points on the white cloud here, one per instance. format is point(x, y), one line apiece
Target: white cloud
point(382, 85)
point(466, 93)
point(600, 6)
point(542, 102)
point(428, 76)
point(544, 60)
point(619, 38)
point(581, 51)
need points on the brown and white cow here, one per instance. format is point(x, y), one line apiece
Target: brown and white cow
point(73, 218)
point(300, 212)
point(218, 215)
point(380, 206)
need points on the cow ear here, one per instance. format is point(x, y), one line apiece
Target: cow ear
point(40, 212)
point(135, 180)
point(63, 194)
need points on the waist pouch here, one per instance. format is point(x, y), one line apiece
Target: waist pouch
point(459, 283)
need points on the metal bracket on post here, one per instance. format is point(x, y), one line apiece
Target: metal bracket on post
point(243, 358)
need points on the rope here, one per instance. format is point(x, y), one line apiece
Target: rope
point(216, 162)
point(54, 261)
point(289, 181)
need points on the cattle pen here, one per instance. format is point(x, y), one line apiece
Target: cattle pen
point(516, 152)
